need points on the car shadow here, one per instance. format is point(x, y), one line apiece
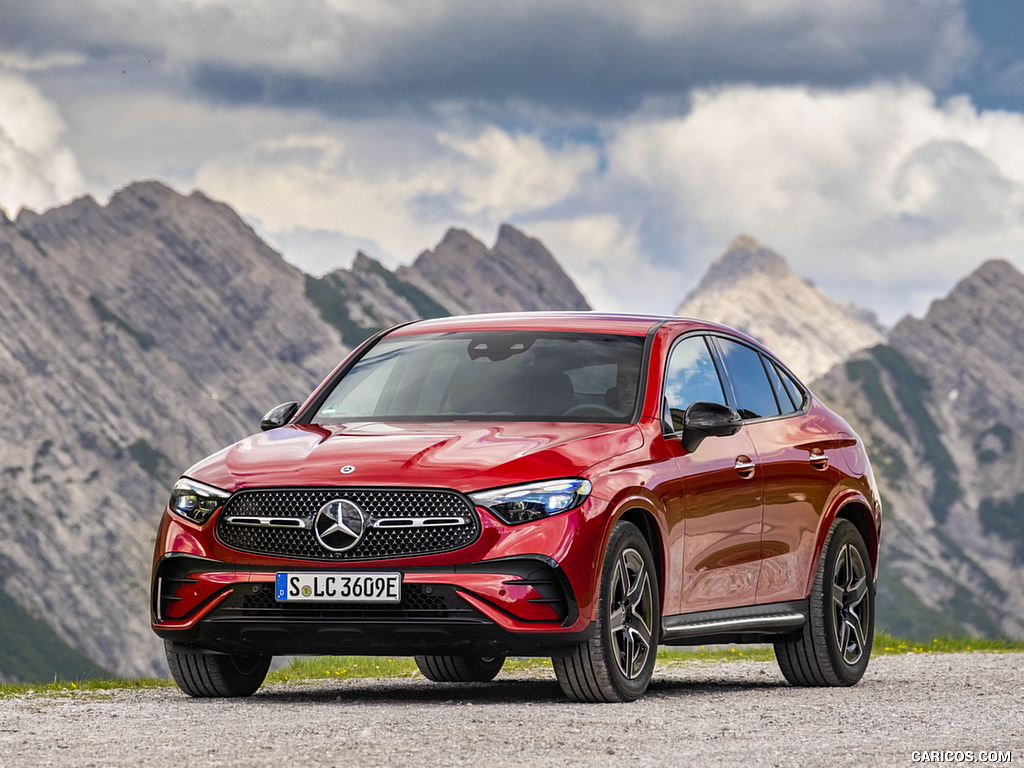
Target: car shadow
point(502, 691)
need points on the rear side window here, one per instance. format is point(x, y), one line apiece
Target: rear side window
point(691, 376)
point(786, 404)
point(795, 391)
point(755, 397)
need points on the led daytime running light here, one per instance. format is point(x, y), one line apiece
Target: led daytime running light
point(525, 503)
point(195, 501)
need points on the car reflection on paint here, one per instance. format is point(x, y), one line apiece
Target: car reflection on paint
point(576, 485)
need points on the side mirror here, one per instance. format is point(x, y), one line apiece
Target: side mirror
point(703, 419)
point(279, 416)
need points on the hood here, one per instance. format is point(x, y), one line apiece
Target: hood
point(465, 456)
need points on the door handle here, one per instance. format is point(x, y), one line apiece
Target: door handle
point(818, 458)
point(745, 467)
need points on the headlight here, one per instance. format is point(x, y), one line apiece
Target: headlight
point(195, 501)
point(525, 503)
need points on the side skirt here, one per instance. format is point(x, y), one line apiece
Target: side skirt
point(748, 624)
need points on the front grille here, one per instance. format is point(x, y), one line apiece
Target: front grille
point(398, 522)
point(419, 601)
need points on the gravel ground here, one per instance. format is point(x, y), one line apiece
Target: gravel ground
point(697, 713)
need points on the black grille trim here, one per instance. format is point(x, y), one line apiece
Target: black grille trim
point(419, 602)
point(377, 504)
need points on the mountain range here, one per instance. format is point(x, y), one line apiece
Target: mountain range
point(752, 289)
point(141, 335)
point(940, 403)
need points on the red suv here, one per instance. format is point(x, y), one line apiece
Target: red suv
point(575, 485)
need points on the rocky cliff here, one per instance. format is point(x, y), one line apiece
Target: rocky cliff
point(751, 288)
point(138, 337)
point(459, 276)
point(941, 407)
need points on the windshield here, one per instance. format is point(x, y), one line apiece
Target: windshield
point(494, 376)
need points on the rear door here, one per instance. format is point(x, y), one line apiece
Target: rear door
point(793, 455)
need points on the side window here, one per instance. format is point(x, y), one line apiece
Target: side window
point(691, 376)
point(786, 404)
point(755, 398)
point(796, 392)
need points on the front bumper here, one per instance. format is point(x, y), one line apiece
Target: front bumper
point(521, 590)
point(512, 606)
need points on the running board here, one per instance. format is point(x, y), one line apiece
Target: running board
point(749, 624)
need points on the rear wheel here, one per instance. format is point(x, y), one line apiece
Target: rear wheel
point(208, 675)
point(616, 664)
point(460, 669)
point(835, 644)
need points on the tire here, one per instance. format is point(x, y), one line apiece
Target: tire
point(460, 669)
point(834, 646)
point(208, 675)
point(616, 664)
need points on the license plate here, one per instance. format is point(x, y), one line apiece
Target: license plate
point(339, 587)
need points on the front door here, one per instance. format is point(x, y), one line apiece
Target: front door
point(722, 492)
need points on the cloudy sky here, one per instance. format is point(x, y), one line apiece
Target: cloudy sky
point(878, 145)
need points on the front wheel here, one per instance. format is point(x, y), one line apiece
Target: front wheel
point(208, 675)
point(835, 644)
point(460, 669)
point(616, 664)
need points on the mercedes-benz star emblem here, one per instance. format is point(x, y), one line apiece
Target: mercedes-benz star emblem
point(348, 469)
point(339, 525)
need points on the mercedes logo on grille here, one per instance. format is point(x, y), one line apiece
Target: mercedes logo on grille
point(339, 525)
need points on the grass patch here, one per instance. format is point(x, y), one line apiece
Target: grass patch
point(383, 667)
point(343, 667)
point(716, 653)
point(70, 688)
point(887, 645)
point(308, 669)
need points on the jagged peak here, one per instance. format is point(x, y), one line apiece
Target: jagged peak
point(459, 238)
point(510, 235)
point(994, 275)
point(744, 258)
point(364, 263)
point(744, 242)
point(78, 204)
point(993, 272)
point(148, 189)
point(984, 289)
point(745, 254)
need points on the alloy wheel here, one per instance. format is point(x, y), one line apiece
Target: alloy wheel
point(851, 610)
point(632, 617)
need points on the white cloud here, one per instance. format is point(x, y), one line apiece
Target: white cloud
point(398, 186)
point(598, 56)
point(36, 169)
point(870, 192)
point(602, 254)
